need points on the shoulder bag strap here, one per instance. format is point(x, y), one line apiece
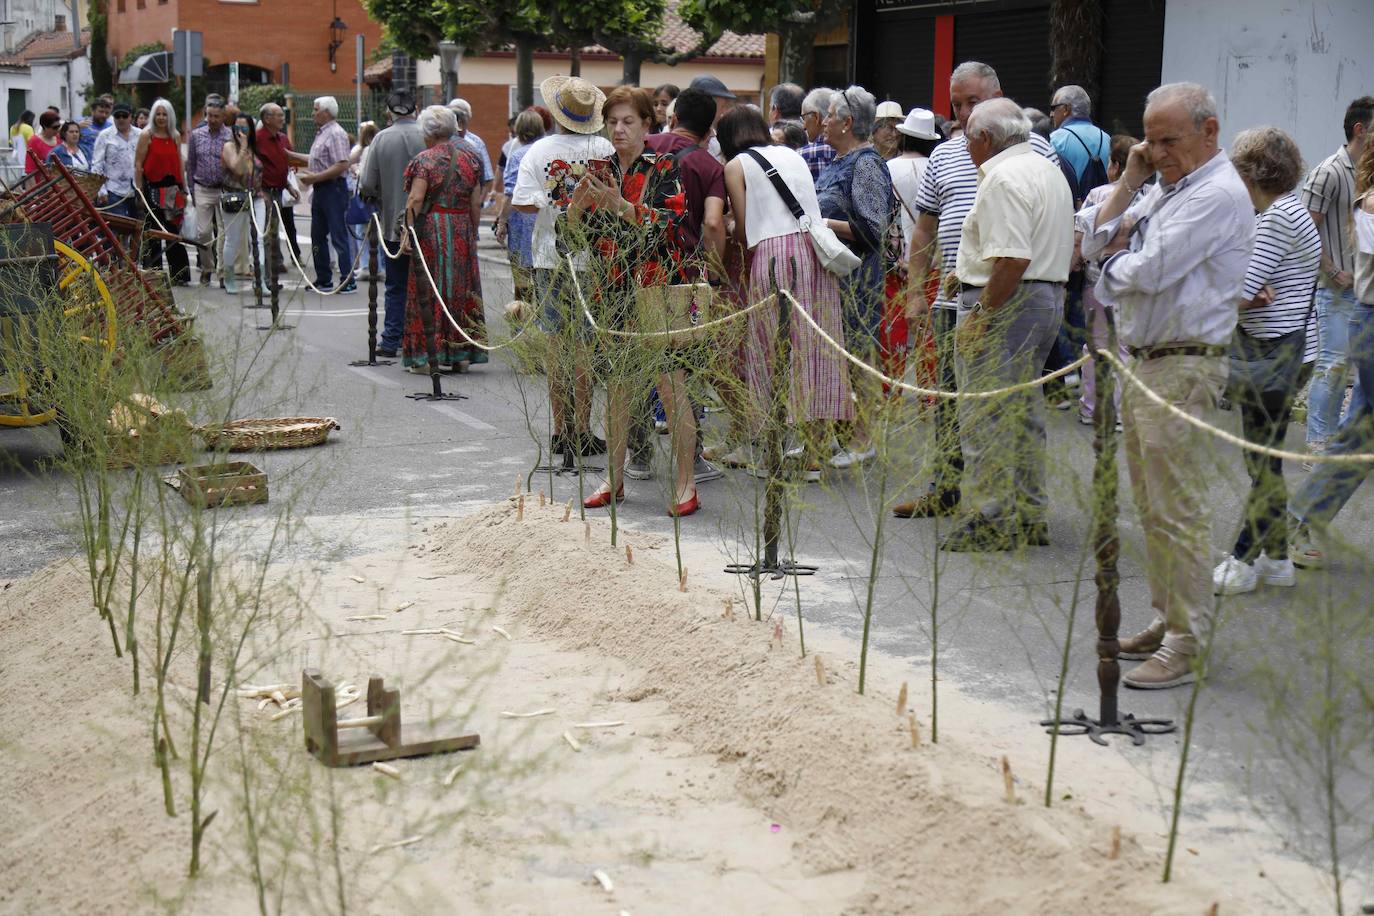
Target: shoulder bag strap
point(788, 198)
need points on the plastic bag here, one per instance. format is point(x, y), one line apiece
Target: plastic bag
point(188, 225)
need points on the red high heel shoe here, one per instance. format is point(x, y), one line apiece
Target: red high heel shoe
point(602, 498)
point(686, 507)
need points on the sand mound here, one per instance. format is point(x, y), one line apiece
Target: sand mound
point(928, 827)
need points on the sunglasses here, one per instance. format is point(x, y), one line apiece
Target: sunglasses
point(123, 114)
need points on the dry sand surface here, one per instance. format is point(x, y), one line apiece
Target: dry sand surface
point(691, 757)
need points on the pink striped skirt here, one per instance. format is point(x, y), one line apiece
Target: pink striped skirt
point(820, 380)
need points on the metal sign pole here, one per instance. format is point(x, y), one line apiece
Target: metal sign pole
point(186, 75)
point(358, 126)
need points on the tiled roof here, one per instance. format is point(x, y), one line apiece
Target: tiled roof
point(49, 46)
point(680, 37)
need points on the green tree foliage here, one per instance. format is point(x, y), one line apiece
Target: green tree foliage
point(634, 30)
point(102, 77)
point(796, 22)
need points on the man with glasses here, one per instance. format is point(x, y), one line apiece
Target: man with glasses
point(817, 153)
point(1078, 141)
point(1175, 271)
point(113, 157)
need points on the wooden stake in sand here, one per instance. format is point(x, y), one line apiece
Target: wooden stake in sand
point(586, 533)
point(682, 580)
point(1007, 782)
point(567, 512)
point(729, 609)
point(1115, 852)
point(901, 699)
point(517, 484)
point(541, 499)
point(520, 509)
point(820, 671)
point(629, 555)
point(915, 731)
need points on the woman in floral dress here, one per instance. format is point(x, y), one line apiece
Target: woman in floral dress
point(444, 183)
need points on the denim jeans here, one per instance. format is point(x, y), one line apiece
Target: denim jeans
point(327, 227)
point(397, 277)
point(1324, 399)
point(949, 455)
point(1330, 486)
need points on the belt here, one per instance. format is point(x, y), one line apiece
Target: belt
point(969, 287)
point(450, 209)
point(1176, 349)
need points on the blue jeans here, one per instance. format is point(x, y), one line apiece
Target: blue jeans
point(122, 207)
point(1324, 399)
point(1330, 486)
point(327, 225)
point(397, 276)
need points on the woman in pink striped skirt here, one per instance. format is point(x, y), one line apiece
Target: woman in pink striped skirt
point(780, 252)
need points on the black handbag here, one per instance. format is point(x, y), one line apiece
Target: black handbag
point(234, 201)
point(1265, 365)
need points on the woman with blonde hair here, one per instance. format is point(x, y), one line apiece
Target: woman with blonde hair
point(160, 187)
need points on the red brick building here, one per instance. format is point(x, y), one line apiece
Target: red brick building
point(264, 36)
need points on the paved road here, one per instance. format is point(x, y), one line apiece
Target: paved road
point(1003, 620)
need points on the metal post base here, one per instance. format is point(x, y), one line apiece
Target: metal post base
point(372, 362)
point(441, 396)
point(276, 327)
point(775, 570)
point(1080, 724)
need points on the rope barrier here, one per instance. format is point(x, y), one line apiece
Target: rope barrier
point(1223, 435)
point(344, 280)
point(381, 240)
point(438, 297)
point(670, 332)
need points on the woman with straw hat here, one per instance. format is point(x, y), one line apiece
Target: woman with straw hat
point(549, 173)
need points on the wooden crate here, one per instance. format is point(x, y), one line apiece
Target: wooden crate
point(234, 483)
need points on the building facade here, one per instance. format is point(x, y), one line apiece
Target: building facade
point(273, 41)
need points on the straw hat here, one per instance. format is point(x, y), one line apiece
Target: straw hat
point(920, 123)
point(889, 109)
point(574, 103)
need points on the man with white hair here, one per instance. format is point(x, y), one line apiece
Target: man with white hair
point(817, 153)
point(1012, 264)
point(462, 110)
point(1175, 272)
point(1078, 141)
point(329, 200)
point(943, 198)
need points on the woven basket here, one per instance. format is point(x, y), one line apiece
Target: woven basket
point(260, 435)
point(89, 182)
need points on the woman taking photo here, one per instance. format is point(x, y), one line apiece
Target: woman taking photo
point(631, 214)
point(43, 142)
point(444, 185)
point(160, 184)
point(856, 199)
point(819, 392)
point(1267, 350)
point(69, 152)
point(242, 204)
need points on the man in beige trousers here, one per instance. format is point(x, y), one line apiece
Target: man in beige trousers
point(1175, 268)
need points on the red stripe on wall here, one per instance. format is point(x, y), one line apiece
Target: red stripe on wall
point(944, 65)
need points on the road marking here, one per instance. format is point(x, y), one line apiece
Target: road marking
point(375, 378)
point(331, 313)
point(466, 419)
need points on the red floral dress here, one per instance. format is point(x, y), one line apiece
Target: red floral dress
point(448, 243)
point(648, 252)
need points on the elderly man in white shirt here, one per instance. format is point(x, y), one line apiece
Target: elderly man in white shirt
point(1013, 260)
point(1175, 272)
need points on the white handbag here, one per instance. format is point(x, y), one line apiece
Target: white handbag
point(833, 253)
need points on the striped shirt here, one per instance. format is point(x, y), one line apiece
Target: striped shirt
point(1330, 191)
point(818, 155)
point(947, 190)
point(1285, 258)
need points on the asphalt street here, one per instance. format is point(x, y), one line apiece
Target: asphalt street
point(1003, 619)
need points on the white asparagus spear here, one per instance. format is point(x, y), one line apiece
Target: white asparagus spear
point(387, 769)
point(500, 631)
point(408, 841)
point(604, 880)
point(572, 742)
point(527, 715)
point(615, 724)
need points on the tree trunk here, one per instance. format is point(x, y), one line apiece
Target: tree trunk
point(1075, 44)
point(794, 54)
point(524, 73)
point(575, 62)
point(634, 62)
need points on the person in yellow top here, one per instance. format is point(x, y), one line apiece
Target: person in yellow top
point(21, 131)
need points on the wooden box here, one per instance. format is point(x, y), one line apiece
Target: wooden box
point(234, 483)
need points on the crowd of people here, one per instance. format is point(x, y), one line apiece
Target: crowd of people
point(989, 250)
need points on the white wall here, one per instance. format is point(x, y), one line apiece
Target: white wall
point(60, 84)
point(1293, 64)
point(13, 79)
point(740, 78)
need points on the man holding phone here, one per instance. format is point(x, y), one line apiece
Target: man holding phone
point(1175, 270)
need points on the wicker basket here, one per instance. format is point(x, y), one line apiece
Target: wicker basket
point(89, 182)
point(260, 435)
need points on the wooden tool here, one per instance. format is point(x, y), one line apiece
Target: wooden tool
point(376, 736)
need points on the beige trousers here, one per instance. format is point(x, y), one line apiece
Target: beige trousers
point(1172, 464)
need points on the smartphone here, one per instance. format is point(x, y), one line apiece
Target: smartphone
point(601, 170)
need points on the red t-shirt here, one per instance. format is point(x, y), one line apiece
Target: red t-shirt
point(272, 151)
point(38, 147)
point(702, 176)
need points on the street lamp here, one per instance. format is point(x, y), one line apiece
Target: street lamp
point(448, 65)
point(336, 40)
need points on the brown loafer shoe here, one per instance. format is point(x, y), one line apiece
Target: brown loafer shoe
point(930, 505)
point(1143, 644)
point(1166, 668)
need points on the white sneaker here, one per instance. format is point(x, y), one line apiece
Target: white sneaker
point(1277, 572)
point(849, 458)
point(1072, 380)
point(793, 453)
point(1234, 577)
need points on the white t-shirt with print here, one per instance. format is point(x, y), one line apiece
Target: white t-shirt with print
point(548, 173)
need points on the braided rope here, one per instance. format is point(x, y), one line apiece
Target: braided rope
point(420, 256)
point(344, 280)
